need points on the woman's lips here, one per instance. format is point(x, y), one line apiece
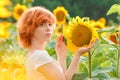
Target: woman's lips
point(49, 35)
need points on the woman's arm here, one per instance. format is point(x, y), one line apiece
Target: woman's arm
point(60, 47)
point(74, 64)
point(51, 71)
point(61, 52)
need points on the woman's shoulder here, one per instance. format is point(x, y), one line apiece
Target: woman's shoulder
point(41, 55)
point(41, 52)
point(39, 58)
point(37, 53)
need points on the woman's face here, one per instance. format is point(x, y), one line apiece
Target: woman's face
point(43, 32)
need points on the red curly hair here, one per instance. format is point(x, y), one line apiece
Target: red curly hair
point(30, 20)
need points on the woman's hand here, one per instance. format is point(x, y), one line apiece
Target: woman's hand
point(83, 50)
point(60, 47)
point(61, 52)
point(72, 69)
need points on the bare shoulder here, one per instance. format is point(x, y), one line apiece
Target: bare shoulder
point(52, 71)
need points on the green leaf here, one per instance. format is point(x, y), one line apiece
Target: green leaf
point(103, 76)
point(68, 60)
point(81, 76)
point(105, 41)
point(110, 29)
point(114, 9)
point(98, 71)
point(51, 44)
point(105, 64)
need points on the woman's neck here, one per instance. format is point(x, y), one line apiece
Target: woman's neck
point(35, 45)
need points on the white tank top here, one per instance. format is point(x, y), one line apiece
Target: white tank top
point(35, 60)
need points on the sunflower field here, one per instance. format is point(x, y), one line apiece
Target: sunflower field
point(101, 63)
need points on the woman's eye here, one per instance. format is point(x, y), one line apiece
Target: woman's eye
point(50, 24)
point(41, 24)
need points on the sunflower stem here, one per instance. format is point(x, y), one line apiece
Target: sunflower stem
point(118, 63)
point(89, 67)
point(118, 56)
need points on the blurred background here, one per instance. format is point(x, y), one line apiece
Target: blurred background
point(94, 9)
point(102, 64)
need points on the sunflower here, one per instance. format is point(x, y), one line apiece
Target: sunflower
point(79, 33)
point(115, 37)
point(112, 38)
point(60, 14)
point(97, 24)
point(4, 3)
point(5, 13)
point(102, 20)
point(4, 29)
point(14, 60)
point(59, 30)
point(19, 74)
point(15, 63)
point(18, 10)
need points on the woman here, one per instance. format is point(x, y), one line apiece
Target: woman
point(35, 28)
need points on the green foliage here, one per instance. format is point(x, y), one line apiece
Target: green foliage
point(51, 48)
point(82, 8)
point(105, 54)
point(105, 60)
point(79, 77)
point(114, 9)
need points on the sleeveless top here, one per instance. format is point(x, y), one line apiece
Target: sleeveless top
point(35, 60)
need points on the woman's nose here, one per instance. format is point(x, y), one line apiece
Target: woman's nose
point(49, 28)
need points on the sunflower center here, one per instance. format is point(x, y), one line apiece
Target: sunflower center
point(60, 16)
point(81, 35)
point(97, 26)
point(20, 11)
point(113, 39)
point(60, 30)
